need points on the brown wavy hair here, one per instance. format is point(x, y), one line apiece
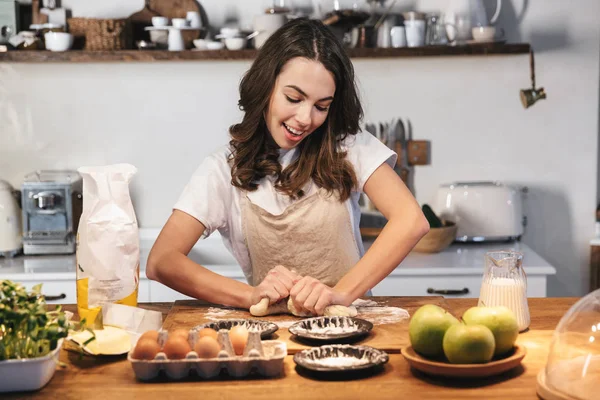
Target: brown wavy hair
point(254, 152)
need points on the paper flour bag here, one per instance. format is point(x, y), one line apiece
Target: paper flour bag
point(108, 248)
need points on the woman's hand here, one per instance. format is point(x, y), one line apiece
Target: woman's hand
point(313, 295)
point(275, 286)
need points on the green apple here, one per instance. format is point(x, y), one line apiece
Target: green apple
point(427, 328)
point(500, 320)
point(468, 344)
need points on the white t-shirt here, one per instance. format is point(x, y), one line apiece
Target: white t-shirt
point(210, 197)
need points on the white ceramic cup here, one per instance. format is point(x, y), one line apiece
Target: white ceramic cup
point(179, 22)
point(160, 21)
point(484, 33)
point(193, 19)
point(398, 34)
point(58, 41)
point(415, 32)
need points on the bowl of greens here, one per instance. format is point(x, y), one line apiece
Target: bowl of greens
point(31, 337)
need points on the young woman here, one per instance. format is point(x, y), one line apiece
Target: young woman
point(284, 193)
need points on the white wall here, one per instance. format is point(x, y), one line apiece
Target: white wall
point(165, 117)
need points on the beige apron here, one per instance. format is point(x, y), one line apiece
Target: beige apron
point(313, 236)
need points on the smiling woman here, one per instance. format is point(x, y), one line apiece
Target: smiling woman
point(284, 193)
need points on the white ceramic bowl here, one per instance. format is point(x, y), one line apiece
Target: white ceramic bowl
point(214, 45)
point(200, 44)
point(179, 22)
point(28, 374)
point(160, 21)
point(58, 41)
point(235, 43)
point(229, 32)
point(484, 33)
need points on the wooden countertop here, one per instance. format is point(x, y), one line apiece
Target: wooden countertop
point(112, 377)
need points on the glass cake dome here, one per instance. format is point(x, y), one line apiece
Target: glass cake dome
point(573, 367)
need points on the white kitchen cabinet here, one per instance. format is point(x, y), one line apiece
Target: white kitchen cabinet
point(162, 293)
point(447, 286)
point(56, 292)
point(65, 291)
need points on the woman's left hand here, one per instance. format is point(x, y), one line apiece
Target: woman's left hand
point(313, 295)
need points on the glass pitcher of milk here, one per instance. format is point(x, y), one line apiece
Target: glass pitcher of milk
point(505, 284)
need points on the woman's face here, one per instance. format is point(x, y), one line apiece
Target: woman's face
point(300, 101)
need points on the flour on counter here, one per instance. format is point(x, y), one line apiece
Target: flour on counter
point(364, 303)
point(383, 315)
point(216, 313)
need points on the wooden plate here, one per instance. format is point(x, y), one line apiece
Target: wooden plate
point(441, 368)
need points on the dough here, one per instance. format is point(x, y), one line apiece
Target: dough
point(340, 311)
point(287, 307)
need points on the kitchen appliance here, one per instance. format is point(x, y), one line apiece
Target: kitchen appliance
point(9, 19)
point(52, 205)
point(483, 211)
point(11, 241)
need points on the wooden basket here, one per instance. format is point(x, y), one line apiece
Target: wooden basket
point(437, 239)
point(102, 34)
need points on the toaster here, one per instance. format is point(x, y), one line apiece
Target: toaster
point(483, 211)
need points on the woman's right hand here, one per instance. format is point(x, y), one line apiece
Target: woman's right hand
point(275, 286)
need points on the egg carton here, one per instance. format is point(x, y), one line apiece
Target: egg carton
point(264, 358)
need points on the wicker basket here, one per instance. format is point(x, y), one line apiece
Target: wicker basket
point(102, 34)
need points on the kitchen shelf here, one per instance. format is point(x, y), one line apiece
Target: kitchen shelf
point(78, 56)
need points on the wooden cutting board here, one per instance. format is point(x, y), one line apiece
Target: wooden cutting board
point(385, 335)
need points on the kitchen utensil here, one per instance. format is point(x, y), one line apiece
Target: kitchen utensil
point(194, 19)
point(384, 15)
point(52, 206)
point(505, 284)
point(9, 19)
point(331, 328)
point(29, 374)
point(436, 33)
point(445, 369)
point(141, 19)
point(159, 21)
point(398, 35)
point(530, 96)
point(340, 358)
point(437, 239)
point(179, 9)
point(265, 328)
point(402, 151)
point(486, 34)
point(414, 25)
point(483, 211)
point(58, 41)
point(573, 364)
point(278, 6)
point(267, 24)
point(235, 43)
point(11, 241)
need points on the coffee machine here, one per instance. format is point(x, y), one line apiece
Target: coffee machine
point(52, 205)
point(9, 19)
